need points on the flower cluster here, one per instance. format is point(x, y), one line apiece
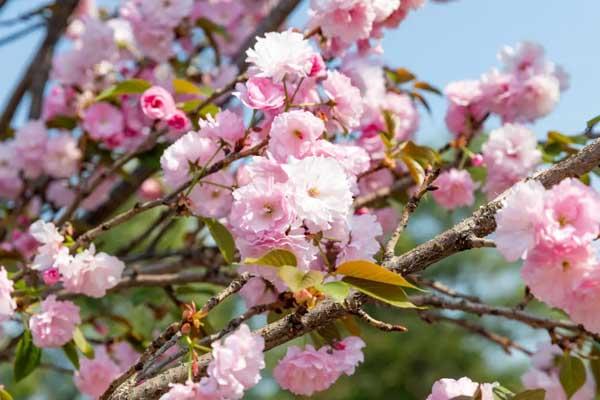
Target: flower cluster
point(305, 372)
point(54, 325)
point(526, 88)
point(553, 231)
point(448, 389)
point(509, 154)
point(86, 272)
point(95, 375)
point(34, 152)
point(545, 374)
point(7, 303)
point(345, 22)
point(235, 367)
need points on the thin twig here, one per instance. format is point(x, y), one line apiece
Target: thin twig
point(409, 209)
point(382, 326)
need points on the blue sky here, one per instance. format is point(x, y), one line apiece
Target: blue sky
point(445, 42)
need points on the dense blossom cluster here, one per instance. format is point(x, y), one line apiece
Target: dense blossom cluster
point(526, 88)
point(305, 372)
point(553, 231)
point(448, 389)
point(235, 367)
point(279, 155)
point(545, 374)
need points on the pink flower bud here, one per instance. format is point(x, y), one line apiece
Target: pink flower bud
point(157, 103)
point(178, 121)
point(51, 276)
point(477, 160)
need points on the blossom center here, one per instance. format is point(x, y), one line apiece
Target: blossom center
point(313, 192)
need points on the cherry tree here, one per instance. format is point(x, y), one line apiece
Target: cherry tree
point(286, 158)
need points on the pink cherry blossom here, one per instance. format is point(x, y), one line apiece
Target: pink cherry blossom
point(347, 102)
point(519, 220)
point(261, 94)
point(51, 276)
point(294, 241)
point(544, 374)
point(455, 189)
point(95, 375)
point(178, 121)
point(320, 191)
point(59, 193)
point(226, 125)
point(292, 134)
point(552, 275)
point(7, 303)
point(467, 107)
point(206, 389)
point(62, 156)
point(150, 189)
point(582, 305)
point(447, 389)
point(362, 241)
point(305, 372)
point(11, 184)
point(261, 206)
point(192, 149)
point(90, 273)
point(237, 362)
point(510, 154)
point(280, 54)
point(571, 216)
point(30, 145)
point(104, 122)
point(51, 250)
point(157, 103)
point(344, 20)
point(347, 354)
point(388, 217)
point(212, 196)
point(59, 101)
point(54, 325)
point(354, 159)
point(124, 354)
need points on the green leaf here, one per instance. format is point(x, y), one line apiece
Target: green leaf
point(369, 271)
point(211, 109)
point(390, 124)
point(535, 394)
point(428, 87)
point(390, 294)
point(298, 280)
point(183, 86)
point(595, 364)
point(572, 374)
point(425, 155)
point(274, 258)
point(189, 106)
point(416, 171)
point(82, 344)
point(27, 356)
point(71, 353)
point(336, 290)
point(222, 238)
point(400, 75)
point(592, 122)
point(131, 86)
point(4, 395)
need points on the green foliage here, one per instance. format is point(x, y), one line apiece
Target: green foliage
point(222, 238)
point(390, 294)
point(131, 86)
point(274, 258)
point(298, 280)
point(27, 356)
point(572, 374)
